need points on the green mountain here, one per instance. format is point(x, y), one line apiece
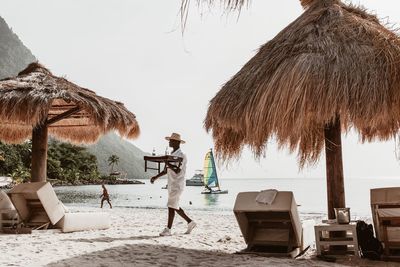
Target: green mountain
point(130, 157)
point(14, 55)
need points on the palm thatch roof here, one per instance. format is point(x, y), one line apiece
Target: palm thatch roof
point(72, 113)
point(227, 4)
point(334, 61)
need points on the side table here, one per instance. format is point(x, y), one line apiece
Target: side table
point(324, 241)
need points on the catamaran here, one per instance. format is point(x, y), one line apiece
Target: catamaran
point(210, 176)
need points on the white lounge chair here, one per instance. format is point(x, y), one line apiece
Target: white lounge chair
point(385, 206)
point(273, 229)
point(39, 207)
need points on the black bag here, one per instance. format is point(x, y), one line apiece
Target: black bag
point(370, 247)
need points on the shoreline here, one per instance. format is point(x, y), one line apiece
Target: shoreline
point(96, 182)
point(58, 183)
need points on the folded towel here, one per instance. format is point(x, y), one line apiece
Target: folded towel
point(267, 196)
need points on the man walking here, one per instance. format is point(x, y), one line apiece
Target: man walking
point(105, 197)
point(176, 183)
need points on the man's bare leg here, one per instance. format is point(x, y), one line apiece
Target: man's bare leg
point(109, 203)
point(171, 216)
point(183, 215)
point(102, 201)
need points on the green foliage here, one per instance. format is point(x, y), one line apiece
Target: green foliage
point(71, 163)
point(109, 177)
point(20, 174)
point(65, 162)
point(15, 158)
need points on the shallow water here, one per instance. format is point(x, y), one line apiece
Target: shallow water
point(309, 193)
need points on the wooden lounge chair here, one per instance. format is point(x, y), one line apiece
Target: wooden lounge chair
point(37, 204)
point(39, 208)
point(385, 206)
point(272, 229)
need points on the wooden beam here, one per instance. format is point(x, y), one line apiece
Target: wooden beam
point(39, 154)
point(71, 125)
point(77, 115)
point(67, 106)
point(63, 115)
point(334, 167)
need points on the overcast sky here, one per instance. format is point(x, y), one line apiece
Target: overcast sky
point(133, 51)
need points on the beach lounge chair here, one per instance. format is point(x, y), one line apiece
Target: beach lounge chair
point(37, 204)
point(39, 208)
point(385, 206)
point(272, 229)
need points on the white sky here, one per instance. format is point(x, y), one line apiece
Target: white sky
point(133, 51)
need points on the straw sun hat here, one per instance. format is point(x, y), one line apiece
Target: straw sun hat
point(175, 136)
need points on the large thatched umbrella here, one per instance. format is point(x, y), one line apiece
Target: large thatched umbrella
point(36, 103)
point(333, 69)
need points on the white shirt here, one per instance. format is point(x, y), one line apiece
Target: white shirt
point(176, 181)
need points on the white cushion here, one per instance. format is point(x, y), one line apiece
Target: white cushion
point(81, 221)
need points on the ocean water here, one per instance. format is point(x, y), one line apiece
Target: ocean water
point(310, 194)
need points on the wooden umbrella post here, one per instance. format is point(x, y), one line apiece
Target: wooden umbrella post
point(39, 154)
point(334, 167)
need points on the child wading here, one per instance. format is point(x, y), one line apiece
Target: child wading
point(105, 197)
point(176, 184)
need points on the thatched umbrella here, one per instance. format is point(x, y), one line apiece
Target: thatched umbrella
point(333, 69)
point(37, 103)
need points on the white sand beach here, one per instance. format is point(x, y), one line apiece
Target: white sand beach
point(133, 240)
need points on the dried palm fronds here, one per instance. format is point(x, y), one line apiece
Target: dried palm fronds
point(335, 60)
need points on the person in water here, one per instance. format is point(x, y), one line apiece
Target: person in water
point(105, 197)
point(176, 183)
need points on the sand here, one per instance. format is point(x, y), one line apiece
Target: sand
point(133, 240)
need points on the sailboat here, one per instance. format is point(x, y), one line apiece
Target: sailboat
point(210, 176)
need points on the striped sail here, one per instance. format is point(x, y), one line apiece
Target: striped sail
point(210, 171)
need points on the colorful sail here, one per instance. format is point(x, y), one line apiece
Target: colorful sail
point(210, 171)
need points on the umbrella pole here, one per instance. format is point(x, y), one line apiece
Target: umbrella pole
point(334, 167)
point(39, 154)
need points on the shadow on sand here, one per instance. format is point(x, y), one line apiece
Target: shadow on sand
point(161, 255)
point(111, 239)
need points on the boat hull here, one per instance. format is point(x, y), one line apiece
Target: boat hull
point(215, 192)
point(194, 183)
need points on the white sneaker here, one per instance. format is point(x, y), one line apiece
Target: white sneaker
point(190, 227)
point(166, 232)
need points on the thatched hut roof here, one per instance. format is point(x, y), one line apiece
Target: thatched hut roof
point(36, 97)
point(335, 60)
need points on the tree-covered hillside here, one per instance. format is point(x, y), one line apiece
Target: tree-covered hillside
point(14, 56)
point(130, 157)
